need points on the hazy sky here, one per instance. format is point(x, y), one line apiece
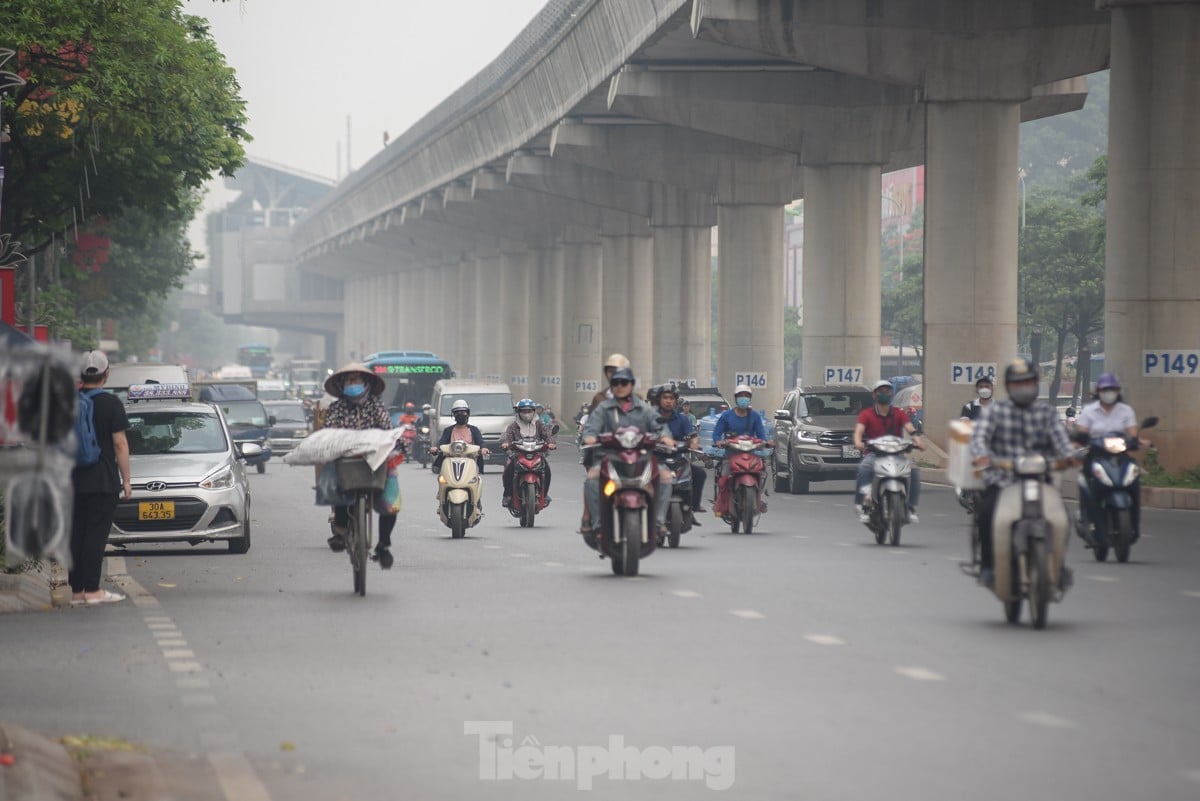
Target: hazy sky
point(304, 65)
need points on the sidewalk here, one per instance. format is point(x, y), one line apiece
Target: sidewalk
point(1152, 497)
point(30, 591)
point(40, 769)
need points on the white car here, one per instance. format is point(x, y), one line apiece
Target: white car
point(188, 481)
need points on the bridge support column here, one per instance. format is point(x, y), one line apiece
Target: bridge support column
point(546, 321)
point(583, 286)
point(488, 336)
point(629, 310)
point(1152, 267)
point(468, 289)
point(683, 313)
point(513, 315)
point(970, 246)
point(750, 299)
point(841, 282)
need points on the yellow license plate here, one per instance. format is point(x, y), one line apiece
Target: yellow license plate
point(156, 510)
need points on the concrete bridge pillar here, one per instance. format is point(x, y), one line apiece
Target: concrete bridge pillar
point(513, 316)
point(488, 341)
point(629, 308)
point(468, 298)
point(450, 311)
point(841, 279)
point(1152, 265)
point(546, 327)
point(583, 286)
point(682, 228)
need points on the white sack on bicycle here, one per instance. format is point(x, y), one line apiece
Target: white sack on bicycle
point(329, 444)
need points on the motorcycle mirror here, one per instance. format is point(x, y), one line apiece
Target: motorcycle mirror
point(1150, 422)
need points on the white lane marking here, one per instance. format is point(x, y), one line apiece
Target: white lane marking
point(841, 505)
point(199, 699)
point(173, 634)
point(1192, 593)
point(799, 536)
point(1103, 578)
point(179, 653)
point(1048, 720)
point(116, 566)
point(635, 578)
point(824, 639)
point(237, 778)
point(897, 551)
point(172, 644)
point(920, 674)
point(747, 614)
point(185, 667)
point(553, 564)
point(519, 555)
point(192, 683)
point(160, 626)
point(156, 619)
point(686, 593)
point(492, 547)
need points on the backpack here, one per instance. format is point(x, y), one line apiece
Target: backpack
point(87, 445)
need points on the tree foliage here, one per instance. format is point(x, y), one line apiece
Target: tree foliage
point(127, 103)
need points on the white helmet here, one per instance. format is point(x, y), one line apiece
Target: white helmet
point(880, 384)
point(742, 388)
point(460, 405)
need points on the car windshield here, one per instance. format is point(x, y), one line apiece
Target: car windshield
point(702, 407)
point(287, 412)
point(497, 404)
point(174, 432)
point(244, 413)
point(837, 404)
point(272, 393)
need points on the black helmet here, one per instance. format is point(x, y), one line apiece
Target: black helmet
point(652, 394)
point(621, 374)
point(1020, 369)
point(669, 388)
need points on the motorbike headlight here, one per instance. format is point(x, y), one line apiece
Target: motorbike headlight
point(629, 438)
point(222, 479)
point(610, 488)
point(441, 480)
point(1100, 474)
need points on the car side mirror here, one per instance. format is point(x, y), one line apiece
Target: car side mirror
point(784, 415)
point(271, 420)
point(1150, 422)
point(248, 450)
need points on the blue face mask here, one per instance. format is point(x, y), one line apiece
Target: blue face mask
point(354, 390)
point(743, 402)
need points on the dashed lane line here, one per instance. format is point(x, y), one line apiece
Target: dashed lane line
point(747, 614)
point(920, 674)
point(1095, 577)
point(1047, 720)
point(824, 639)
point(686, 594)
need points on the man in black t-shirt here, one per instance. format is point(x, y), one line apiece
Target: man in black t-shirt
point(98, 487)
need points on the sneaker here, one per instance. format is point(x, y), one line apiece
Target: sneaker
point(384, 557)
point(912, 516)
point(337, 543)
point(863, 515)
point(987, 577)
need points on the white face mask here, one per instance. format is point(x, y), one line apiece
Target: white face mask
point(1109, 396)
point(985, 393)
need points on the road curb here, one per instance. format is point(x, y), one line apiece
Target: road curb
point(42, 770)
point(1152, 497)
point(25, 592)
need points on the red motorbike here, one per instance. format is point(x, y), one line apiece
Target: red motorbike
point(740, 488)
point(628, 481)
point(528, 479)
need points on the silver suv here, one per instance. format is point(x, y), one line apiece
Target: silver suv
point(814, 435)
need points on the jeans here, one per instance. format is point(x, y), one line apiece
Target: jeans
point(699, 476)
point(866, 471)
point(985, 509)
point(662, 496)
point(92, 520)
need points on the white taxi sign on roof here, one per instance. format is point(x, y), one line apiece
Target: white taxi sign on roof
point(160, 392)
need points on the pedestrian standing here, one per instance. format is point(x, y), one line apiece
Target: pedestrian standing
point(98, 486)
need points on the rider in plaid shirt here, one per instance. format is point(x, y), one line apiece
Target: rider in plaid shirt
point(1019, 425)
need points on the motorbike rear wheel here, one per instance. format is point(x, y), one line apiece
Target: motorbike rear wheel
point(631, 541)
point(1123, 535)
point(458, 523)
point(529, 501)
point(1039, 583)
point(896, 520)
point(674, 525)
point(749, 504)
point(880, 523)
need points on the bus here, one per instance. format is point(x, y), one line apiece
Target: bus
point(257, 357)
point(408, 376)
point(306, 377)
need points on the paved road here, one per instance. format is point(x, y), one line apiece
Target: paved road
point(800, 662)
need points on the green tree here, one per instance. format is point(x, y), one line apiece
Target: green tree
point(903, 310)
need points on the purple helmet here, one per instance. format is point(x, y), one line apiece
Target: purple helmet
point(1108, 381)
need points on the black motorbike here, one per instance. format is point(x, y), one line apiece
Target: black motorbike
point(1111, 478)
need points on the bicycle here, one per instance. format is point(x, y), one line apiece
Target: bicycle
point(356, 478)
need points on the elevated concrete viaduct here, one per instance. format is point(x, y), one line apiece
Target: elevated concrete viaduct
point(564, 198)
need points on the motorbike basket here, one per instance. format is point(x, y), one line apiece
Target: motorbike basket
point(355, 475)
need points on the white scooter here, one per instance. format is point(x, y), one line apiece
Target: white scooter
point(460, 487)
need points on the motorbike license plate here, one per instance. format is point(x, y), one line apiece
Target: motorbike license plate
point(156, 510)
point(851, 452)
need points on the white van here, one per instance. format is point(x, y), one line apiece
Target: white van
point(491, 405)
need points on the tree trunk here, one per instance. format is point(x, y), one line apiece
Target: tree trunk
point(1035, 346)
point(1083, 373)
point(1058, 365)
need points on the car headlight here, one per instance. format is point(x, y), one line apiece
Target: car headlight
point(222, 479)
point(805, 434)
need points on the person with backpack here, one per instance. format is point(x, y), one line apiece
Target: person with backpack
point(100, 478)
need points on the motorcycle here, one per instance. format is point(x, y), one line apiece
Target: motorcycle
point(743, 480)
point(1111, 478)
point(887, 502)
point(626, 532)
point(1029, 541)
point(460, 488)
point(408, 436)
point(421, 443)
point(679, 515)
point(528, 498)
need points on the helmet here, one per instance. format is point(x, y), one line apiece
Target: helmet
point(1020, 369)
point(1108, 381)
point(524, 403)
point(460, 405)
point(668, 389)
point(621, 374)
point(410, 407)
point(987, 379)
point(427, 408)
point(652, 394)
point(742, 389)
point(880, 384)
point(616, 360)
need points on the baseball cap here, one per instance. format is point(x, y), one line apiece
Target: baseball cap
point(95, 363)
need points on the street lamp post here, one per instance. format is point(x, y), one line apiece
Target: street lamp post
point(1021, 177)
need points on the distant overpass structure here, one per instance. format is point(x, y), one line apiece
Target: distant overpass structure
point(253, 277)
point(561, 204)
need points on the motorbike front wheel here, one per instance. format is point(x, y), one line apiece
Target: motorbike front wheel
point(1039, 583)
point(1123, 534)
point(359, 540)
point(631, 541)
point(749, 507)
point(458, 523)
point(894, 519)
point(529, 501)
point(674, 525)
